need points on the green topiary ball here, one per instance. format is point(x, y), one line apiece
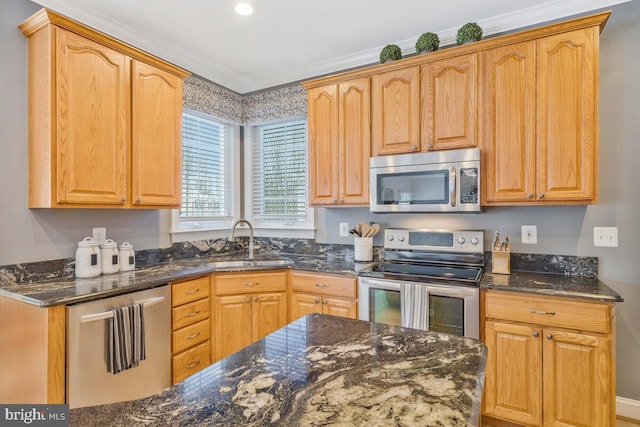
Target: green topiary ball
point(469, 32)
point(427, 42)
point(390, 52)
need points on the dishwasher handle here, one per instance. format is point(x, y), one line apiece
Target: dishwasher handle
point(109, 314)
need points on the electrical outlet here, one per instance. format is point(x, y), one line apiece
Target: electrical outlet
point(605, 236)
point(529, 234)
point(344, 229)
point(100, 234)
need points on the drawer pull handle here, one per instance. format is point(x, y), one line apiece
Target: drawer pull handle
point(192, 336)
point(546, 313)
point(193, 291)
point(193, 313)
point(322, 285)
point(251, 283)
point(193, 365)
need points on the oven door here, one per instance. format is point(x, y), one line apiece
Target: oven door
point(453, 309)
point(379, 301)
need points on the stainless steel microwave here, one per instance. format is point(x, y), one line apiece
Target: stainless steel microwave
point(440, 181)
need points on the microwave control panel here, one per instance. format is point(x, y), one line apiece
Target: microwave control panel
point(469, 186)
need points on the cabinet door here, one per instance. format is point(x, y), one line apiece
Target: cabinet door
point(508, 105)
point(513, 377)
point(303, 304)
point(323, 145)
point(340, 307)
point(450, 103)
point(269, 314)
point(157, 137)
point(232, 324)
point(567, 116)
point(354, 141)
point(577, 380)
point(92, 115)
point(395, 110)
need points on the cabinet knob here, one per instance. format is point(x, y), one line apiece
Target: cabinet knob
point(529, 195)
point(317, 300)
point(549, 336)
point(415, 147)
point(255, 298)
point(536, 334)
point(139, 200)
point(324, 301)
point(247, 299)
point(541, 196)
point(124, 199)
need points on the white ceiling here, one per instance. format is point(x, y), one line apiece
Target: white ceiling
point(290, 40)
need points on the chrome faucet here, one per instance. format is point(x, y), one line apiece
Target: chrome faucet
point(233, 230)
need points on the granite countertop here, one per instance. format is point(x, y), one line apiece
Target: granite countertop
point(321, 370)
point(72, 290)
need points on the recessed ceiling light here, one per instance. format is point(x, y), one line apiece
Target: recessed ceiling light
point(244, 9)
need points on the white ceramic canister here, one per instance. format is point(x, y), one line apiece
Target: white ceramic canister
point(88, 260)
point(127, 257)
point(110, 257)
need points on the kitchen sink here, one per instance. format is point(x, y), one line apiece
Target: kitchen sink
point(250, 263)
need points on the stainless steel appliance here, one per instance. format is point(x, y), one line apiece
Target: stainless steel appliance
point(428, 279)
point(89, 381)
point(442, 181)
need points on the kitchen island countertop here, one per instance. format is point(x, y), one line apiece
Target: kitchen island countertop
point(321, 370)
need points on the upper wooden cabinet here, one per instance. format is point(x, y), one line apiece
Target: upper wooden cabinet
point(539, 120)
point(104, 120)
point(395, 112)
point(449, 107)
point(339, 143)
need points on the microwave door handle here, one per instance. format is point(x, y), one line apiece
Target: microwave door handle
point(452, 186)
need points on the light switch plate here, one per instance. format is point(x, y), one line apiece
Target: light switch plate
point(605, 236)
point(529, 234)
point(344, 229)
point(100, 234)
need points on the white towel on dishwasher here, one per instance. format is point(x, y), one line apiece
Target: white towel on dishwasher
point(126, 343)
point(414, 305)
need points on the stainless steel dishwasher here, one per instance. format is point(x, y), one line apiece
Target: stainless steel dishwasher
point(89, 381)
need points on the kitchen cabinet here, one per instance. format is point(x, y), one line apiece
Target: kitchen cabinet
point(104, 120)
point(190, 320)
point(540, 133)
point(322, 293)
point(247, 307)
point(449, 106)
point(549, 361)
point(395, 111)
point(339, 143)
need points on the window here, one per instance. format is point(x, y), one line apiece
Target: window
point(208, 182)
point(278, 182)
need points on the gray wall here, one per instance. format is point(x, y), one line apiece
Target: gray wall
point(32, 235)
point(43, 234)
point(569, 230)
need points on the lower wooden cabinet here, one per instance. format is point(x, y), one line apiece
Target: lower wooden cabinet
point(322, 293)
point(247, 307)
point(190, 339)
point(550, 360)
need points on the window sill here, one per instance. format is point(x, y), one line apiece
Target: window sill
point(178, 236)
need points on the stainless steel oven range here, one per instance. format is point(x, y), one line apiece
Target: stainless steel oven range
point(428, 279)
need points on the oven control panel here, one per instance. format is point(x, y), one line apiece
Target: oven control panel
point(462, 241)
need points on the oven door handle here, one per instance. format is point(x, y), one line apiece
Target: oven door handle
point(452, 186)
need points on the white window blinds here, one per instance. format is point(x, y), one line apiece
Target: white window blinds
point(279, 175)
point(206, 168)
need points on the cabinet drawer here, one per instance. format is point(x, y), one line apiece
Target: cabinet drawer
point(191, 335)
point(189, 314)
point(242, 283)
point(324, 284)
point(548, 311)
point(184, 292)
point(191, 361)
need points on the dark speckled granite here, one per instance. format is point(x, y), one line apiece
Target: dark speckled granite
point(567, 265)
point(321, 370)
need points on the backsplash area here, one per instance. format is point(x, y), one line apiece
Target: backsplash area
point(34, 272)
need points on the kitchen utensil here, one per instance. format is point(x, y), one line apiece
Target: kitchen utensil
point(364, 228)
point(375, 228)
